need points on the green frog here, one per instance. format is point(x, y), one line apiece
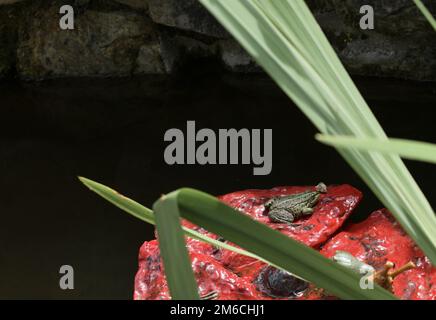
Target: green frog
point(285, 209)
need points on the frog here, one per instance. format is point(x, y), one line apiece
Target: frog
point(286, 209)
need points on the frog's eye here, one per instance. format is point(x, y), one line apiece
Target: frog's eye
point(279, 284)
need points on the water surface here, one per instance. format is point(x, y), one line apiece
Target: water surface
point(112, 131)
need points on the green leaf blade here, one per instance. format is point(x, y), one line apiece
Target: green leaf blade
point(132, 207)
point(408, 149)
point(285, 39)
point(145, 214)
point(426, 13)
point(176, 260)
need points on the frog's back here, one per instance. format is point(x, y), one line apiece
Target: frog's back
point(297, 202)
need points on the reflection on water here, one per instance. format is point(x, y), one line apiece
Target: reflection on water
point(112, 131)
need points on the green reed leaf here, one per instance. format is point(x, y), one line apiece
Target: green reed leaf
point(285, 39)
point(408, 149)
point(145, 214)
point(177, 263)
point(426, 13)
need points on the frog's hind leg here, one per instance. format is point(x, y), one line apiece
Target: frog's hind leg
point(307, 211)
point(281, 216)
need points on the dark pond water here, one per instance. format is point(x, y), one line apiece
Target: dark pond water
point(112, 131)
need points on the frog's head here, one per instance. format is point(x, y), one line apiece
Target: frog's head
point(321, 188)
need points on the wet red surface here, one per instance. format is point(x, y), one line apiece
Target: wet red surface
point(375, 241)
point(329, 214)
point(379, 239)
point(150, 282)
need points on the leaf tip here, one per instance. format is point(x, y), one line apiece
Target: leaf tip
point(83, 180)
point(87, 182)
point(320, 137)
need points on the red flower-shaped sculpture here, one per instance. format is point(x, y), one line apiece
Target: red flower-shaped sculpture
point(225, 275)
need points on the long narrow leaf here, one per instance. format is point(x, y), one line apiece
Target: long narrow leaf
point(426, 13)
point(285, 39)
point(120, 201)
point(145, 214)
point(408, 149)
point(177, 263)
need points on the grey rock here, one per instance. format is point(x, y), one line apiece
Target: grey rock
point(402, 45)
point(115, 38)
point(102, 44)
point(380, 52)
point(177, 49)
point(187, 15)
point(149, 59)
point(392, 17)
point(390, 57)
point(235, 58)
point(135, 4)
point(6, 2)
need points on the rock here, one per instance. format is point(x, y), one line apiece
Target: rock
point(5, 2)
point(321, 6)
point(187, 15)
point(397, 18)
point(135, 4)
point(235, 58)
point(402, 45)
point(8, 39)
point(149, 59)
point(103, 44)
point(177, 50)
point(380, 52)
point(119, 38)
point(390, 57)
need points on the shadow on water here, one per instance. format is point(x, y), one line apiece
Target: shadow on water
point(112, 131)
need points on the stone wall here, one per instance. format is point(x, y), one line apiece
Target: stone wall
point(117, 38)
